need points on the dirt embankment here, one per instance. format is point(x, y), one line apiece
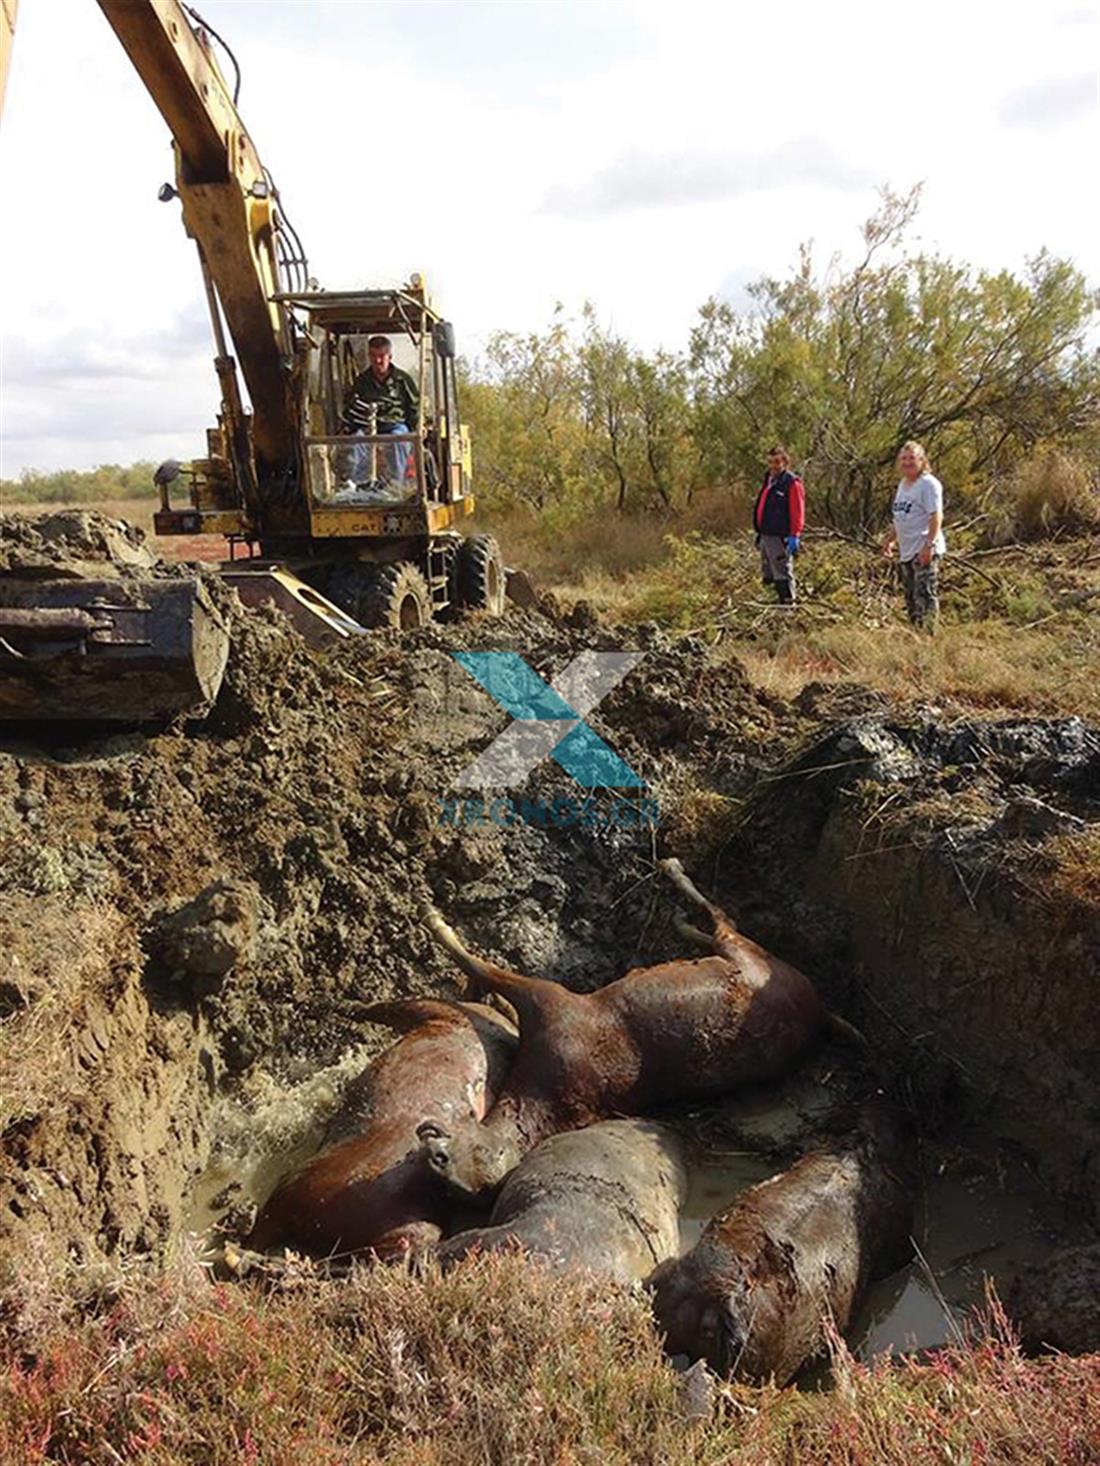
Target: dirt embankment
point(201, 905)
point(103, 1094)
point(943, 881)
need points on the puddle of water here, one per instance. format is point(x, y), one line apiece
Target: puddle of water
point(263, 1134)
point(903, 1313)
point(989, 1223)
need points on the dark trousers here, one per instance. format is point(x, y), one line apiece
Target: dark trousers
point(777, 567)
point(922, 597)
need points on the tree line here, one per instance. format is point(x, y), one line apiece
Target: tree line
point(842, 363)
point(79, 486)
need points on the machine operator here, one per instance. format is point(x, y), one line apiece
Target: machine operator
point(391, 393)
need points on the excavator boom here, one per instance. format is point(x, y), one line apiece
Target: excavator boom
point(7, 36)
point(228, 203)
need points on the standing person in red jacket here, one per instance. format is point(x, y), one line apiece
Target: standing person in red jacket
point(779, 516)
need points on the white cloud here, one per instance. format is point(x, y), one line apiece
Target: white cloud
point(645, 181)
point(1053, 103)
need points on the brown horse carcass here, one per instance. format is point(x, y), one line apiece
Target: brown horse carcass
point(685, 1030)
point(370, 1188)
point(754, 1295)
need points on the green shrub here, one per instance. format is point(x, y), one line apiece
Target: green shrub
point(109, 481)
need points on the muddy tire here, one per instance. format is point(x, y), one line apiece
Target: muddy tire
point(398, 597)
point(481, 575)
point(393, 596)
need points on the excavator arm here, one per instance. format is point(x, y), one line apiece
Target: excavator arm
point(228, 207)
point(7, 36)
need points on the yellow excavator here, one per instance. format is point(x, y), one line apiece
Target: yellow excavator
point(345, 524)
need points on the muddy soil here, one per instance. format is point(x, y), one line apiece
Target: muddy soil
point(74, 542)
point(192, 914)
point(263, 868)
point(935, 878)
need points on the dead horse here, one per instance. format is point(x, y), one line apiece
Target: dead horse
point(684, 1030)
point(605, 1200)
point(753, 1295)
point(372, 1189)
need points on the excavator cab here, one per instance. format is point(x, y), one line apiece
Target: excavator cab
point(363, 523)
point(367, 478)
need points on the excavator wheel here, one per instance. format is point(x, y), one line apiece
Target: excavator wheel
point(394, 595)
point(481, 579)
point(398, 597)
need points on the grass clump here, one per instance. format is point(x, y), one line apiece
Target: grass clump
point(497, 1362)
point(494, 1363)
point(987, 666)
point(596, 550)
point(1071, 868)
point(1051, 493)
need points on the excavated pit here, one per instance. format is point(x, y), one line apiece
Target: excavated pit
point(193, 915)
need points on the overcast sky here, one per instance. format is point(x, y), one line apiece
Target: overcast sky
point(641, 155)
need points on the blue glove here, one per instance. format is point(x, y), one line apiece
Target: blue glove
point(793, 542)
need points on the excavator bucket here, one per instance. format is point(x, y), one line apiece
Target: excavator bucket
point(114, 650)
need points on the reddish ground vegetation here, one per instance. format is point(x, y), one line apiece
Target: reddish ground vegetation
point(496, 1362)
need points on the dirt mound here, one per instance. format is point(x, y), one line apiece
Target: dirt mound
point(73, 543)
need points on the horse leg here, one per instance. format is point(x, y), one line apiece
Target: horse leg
point(528, 996)
point(723, 941)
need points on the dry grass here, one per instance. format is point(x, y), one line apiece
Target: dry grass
point(1019, 629)
point(1071, 869)
point(1051, 493)
point(986, 666)
point(592, 551)
point(497, 1362)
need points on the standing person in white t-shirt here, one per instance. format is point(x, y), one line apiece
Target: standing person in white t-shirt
point(917, 535)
